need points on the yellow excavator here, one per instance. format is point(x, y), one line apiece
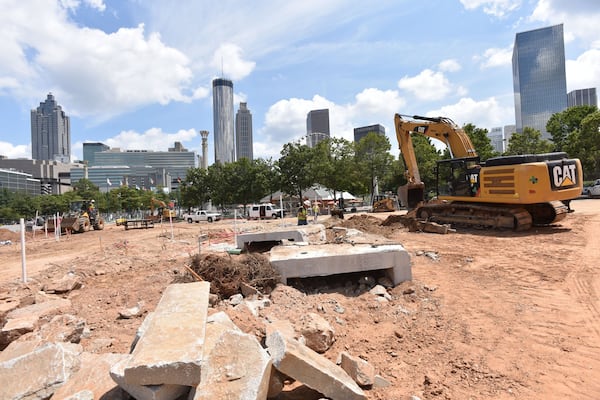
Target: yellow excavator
point(514, 192)
point(163, 210)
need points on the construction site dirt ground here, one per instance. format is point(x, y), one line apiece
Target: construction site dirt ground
point(488, 314)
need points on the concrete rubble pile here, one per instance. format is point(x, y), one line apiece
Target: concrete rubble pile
point(179, 352)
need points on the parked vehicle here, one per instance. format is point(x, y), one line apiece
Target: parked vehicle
point(263, 211)
point(593, 190)
point(201, 215)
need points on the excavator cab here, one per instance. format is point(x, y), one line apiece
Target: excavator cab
point(458, 177)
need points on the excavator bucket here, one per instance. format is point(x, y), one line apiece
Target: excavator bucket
point(411, 195)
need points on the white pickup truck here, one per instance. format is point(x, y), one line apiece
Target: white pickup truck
point(201, 215)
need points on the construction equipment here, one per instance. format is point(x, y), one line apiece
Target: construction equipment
point(513, 192)
point(384, 203)
point(81, 217)
point(162, 211)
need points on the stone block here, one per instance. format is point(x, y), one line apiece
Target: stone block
point(360, 370)
point(315, 371)
point(93, 377)
point(237, 367)
point(38, 373)
point(289, 234)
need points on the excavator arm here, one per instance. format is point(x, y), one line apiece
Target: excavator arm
point(440, 128)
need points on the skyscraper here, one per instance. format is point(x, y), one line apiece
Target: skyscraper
point(363, 131)
point(539, 80)
point(223, 120)
point(50, 132)
point(581, 97)
point(317, 126)
point(243, 133)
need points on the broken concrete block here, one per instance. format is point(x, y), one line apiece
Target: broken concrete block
point(92, 378)
point(65, 284)
point(145, 392)
point(361, 371)
point(37, 374)
point(237, 367)
point(61, 328)
point(17, 327)
point(170, 350)
point(381, 382)
point(47, 308)
point(315, 371)
point(317, 332)
point(141, 330)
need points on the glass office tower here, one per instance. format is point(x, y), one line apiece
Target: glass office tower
point(539, 80)
point(223, 120)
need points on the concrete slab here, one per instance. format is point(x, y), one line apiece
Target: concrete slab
point(332, 259)
point(285, 234)
point(169, 351)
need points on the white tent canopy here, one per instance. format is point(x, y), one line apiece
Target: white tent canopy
point(315, 193)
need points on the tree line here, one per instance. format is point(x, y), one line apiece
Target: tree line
point(335, 163)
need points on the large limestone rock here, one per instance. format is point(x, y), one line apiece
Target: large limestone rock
point(315, 371)
point(317, 332)
point(236, 368)
point(26, 319)
point(92, 380)
point(36, 374)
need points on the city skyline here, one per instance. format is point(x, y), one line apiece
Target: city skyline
point(151, 84)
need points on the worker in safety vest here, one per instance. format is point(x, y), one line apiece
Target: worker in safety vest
point(303, 213)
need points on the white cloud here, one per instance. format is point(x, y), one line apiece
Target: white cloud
point(11, 151)
point(496, 57)
point(427, 85)
point(450, 65)
point(583, 72)
point(580, 18)
point(72, 5)
point(486, 113)
point(152, 139)
point(229, 61)
point(92, 72)
point(497, 8)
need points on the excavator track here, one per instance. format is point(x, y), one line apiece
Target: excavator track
point(547, 213)
point(477, 215)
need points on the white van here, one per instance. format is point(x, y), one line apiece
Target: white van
point(263, 211)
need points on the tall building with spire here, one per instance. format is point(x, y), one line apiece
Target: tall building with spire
point(539, 78)
point(50, 132)
point(243, 133)
point(223, 120)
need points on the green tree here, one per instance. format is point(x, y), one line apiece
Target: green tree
point(195, 189)
point(427, 157)
point(295, 168)
point(584, 144)
point(248, 181)
point(528, 142)
point(219, 178)
point(562, 124)
point(373, 161)
point(334, 164)
point(86, 190)
point(481, 141)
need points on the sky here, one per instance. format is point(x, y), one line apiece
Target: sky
point(137, 75)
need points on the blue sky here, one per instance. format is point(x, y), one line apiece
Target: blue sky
point(137, 74)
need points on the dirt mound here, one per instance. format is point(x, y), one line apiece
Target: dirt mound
point(366, 223)
point(6, 234)
point(226, 274)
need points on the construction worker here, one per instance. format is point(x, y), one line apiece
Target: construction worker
point(303, 213)
point(316, 211)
